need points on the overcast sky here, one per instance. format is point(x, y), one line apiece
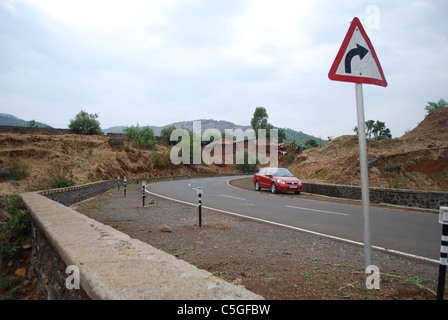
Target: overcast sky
point(155, 62)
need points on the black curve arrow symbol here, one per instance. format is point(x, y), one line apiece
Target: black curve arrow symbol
point(359, 51)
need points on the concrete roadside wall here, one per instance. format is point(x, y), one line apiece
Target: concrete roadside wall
point(402, 197)
point(108, 264)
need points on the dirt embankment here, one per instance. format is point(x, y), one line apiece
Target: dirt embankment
point(418, 160)
point(47, 158)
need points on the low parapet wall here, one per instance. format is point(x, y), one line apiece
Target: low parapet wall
point(70, 248)
point(402, 197)
point(71, 195)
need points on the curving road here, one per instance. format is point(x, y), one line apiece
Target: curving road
point(409, 233)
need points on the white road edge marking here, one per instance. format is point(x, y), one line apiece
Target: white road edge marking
point(223, 195)
point(191, 183)
point(301, 208)
point(409, 255)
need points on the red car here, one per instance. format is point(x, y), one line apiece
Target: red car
point(277, 179)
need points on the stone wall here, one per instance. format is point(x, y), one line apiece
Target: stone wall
point(408, 198)
point(71, 195)
point(50, 270)
point(16, 129)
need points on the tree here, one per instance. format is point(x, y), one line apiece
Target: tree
point(260, 120)
point(85, 123)
point(432, 106)
point(370, 124)
point(378, 129)
point(281, 135)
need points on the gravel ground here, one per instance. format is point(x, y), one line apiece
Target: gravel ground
point(275, 262)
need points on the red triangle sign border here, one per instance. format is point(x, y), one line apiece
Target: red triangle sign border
point(355, 79)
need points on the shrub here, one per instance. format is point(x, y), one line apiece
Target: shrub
point(14, 171)
point(61, 177)
point(85, 123)
point(246, 167)
point(141, 137)
point(13, 233)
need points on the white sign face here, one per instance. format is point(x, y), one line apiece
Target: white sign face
point(356, 60)
point(443, 215)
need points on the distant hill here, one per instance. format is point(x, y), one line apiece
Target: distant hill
point(221, 125)
point(301, 138)
point(10, 120)
point(117, 129)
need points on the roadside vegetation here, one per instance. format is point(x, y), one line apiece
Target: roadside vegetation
point(13, 170)
point(433, 106)
point(15, 234)
point(141, 137)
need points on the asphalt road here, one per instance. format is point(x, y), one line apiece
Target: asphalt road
point(411, 233)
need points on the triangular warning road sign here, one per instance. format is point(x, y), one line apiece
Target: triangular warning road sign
point(356, 60)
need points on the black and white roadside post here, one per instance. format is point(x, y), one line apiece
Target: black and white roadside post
point(125, 181)
point(118, 183)
point(143, 192)
point(443, 219)
point(199, 191)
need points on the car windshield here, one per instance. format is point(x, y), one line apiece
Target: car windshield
point(282, 173)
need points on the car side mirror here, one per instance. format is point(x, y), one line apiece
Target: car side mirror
point(269, 175)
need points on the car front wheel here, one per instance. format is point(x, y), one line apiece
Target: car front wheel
point(273, 188)
point(257, 186)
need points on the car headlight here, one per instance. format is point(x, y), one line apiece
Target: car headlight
point(300, 183)
point(280, 181)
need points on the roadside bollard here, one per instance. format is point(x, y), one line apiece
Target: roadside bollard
point(199, 191)
point(125, 181)
point(443, 219)
point(118, 183)
point(144, 192)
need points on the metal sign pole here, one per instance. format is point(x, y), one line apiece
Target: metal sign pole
point(364, 173)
